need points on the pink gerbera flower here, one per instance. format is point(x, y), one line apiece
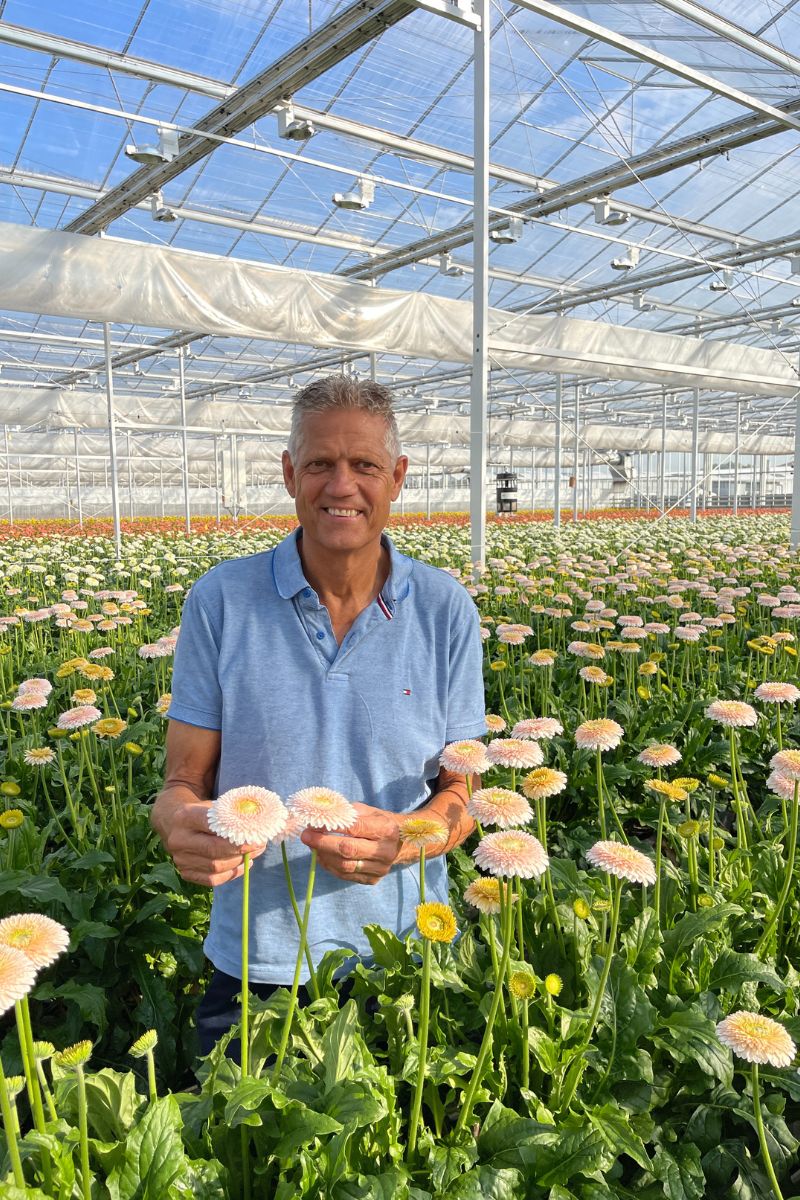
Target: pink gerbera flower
point(17, 977)
point(499, 806)
point(39, 938)
point(659, 755)
point(787, 762)
point(511, 852)
point(322, 808)
point(602, 734)
point(28, 701)
point(537, 728)
point(757, 1039)
point(247, 815)
point(514, 753)
point(35, 685)
point(777, 693)
point(465, 758)
point(732, 713)
point(622, 861)
point(76, 718)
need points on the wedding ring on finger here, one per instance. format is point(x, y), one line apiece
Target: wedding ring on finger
point(358, 866)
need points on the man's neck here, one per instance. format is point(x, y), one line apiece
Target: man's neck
point(349, 581)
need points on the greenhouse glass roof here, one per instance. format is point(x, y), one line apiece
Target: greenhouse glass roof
point(650, 150)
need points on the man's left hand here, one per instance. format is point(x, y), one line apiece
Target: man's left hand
point(365, 852)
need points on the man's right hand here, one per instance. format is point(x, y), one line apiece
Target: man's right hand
point(181, 821)
point(180, 813)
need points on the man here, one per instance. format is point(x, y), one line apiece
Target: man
point(332, 660)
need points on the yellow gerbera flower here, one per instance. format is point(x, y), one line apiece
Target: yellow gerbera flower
point(436, 922)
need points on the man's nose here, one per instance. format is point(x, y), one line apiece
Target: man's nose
point(342, 479)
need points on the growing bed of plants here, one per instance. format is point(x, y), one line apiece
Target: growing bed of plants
point(586, 1042)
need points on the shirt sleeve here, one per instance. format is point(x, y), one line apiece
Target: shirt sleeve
point(466, 709)
point(196, 694)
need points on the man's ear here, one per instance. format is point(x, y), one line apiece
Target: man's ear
point(288, 474)
point(399, 474)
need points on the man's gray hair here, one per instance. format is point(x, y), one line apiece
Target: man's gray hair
point(344, 391)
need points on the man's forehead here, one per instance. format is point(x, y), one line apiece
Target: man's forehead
point(365, 432)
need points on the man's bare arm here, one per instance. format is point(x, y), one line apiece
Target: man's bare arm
point(180, 812)
point(448, 805)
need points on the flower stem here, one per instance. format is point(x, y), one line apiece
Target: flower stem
point(422, 874)
point(245, 1022)
point(662, 812)
point(293, 899)
point(10, 1126)
point(762, 1137)
point(287, 1025)
point(83, 1130)
point(422, 1042)
point(791, 852)
point(483, 1053)
point(600, 796)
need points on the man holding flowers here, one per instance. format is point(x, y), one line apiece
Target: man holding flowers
point(332, 660)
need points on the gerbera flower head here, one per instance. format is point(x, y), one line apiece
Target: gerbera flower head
point(732, 713)
point(624, 862)
point(39, 938)
point(77, 718)
point(542, 658)
point(687, 783)
point(542, 782)
point(672, 790)
point(777, 693)
point(423, 832)
point(436, 922)
point(499, 806)
point(28, 701)
point(484, 894)
point(511, 852)
point(247, 815)
point(787, 762)
point(17, 977)
point(659, 755)
point(495, 723)
point(515, 753)
point(322, 808)
point(73, 1058)
point(757, 1039)
point(110, 727)
point(522, 984)
point(537, 729)
point(39, 756)
point(84, 696)
point(601, 734)
point(293, 828)
point(595, 675)
point(465, 758)
point(35, 685)
point(781, 785)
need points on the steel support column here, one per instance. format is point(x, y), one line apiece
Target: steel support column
point(78, 480)
point(8, 480)
point(533, 481)
point(216, 481)
point(184, 440)
point(479, 384)
point(695, 455)
point(662, 485)
point(112, 443)
point(130, 474)
point(428, 481)
point(557, 473)
point(576, 455)
point(794, 540)
point(736, 456)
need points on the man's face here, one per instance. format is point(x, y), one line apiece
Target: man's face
point(344, 480)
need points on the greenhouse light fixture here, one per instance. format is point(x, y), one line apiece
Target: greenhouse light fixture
point(448, 267)
point(641, 304)
point(628, 263)
point(359, 198)
point(721, 283)
point(152, 156)
point(160, 211)
point(794, 264)
point(294, 129)
point(604, 214)
point(507, 234)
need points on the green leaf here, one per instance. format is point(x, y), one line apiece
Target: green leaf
point(340, 1045)
point(391, 1185)
point(680, 1172)
point(732, 969)
point(298, 1126)
point(329, 964)
point(642, 943)
point(154, 1155)
point(544, 1049)
point(355, 1103)
point(689, 1036)
point(157, 1008)
point(578, 1151)
point(91, 1001)
point(91, 859)
point(41, 888)
point(113, 1103)
point(504, 1134)
point(387, 949)
point(95, 929)
point(694, 926)
point(165, 874)
point(615, 1129)
point(446, 1163)
point(486, 1183)
point(244, 1101)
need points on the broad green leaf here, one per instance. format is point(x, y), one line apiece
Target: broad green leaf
point(41, 888)
point(91, 1000)
point(690, 1037)
point(503, 1133)
point(486, 1183)
point(391, 1185)
point(578, 1151)
point(355, 1103)
point(387, 949)
point(113, 1103)
point(544, 1049)
point(446, 1163)
point(680, 1171)
point(614, 1127)
point(245, 1100)
point(157, 1008)
point(298, 1126)
point(95, 929)
point(732, 969)
point(625, 1009)
point(154, 1156)
point(340, 1045)
point(642, 943)
point(695, 926)
point(329, 964)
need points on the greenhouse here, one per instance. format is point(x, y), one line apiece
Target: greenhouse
point(454, 861)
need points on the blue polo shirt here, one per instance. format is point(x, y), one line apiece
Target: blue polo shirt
point(257, 659)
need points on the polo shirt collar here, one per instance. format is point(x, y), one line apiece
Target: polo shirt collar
point(287, 570)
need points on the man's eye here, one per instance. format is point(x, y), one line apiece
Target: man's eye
point(367, 466)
